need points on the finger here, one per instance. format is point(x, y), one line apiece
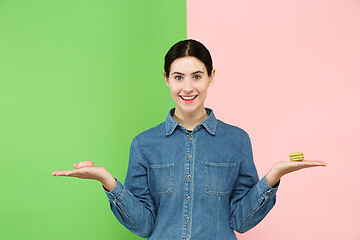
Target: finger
point(75, 165)
point(73, 173)
point(60, 173)
point(55, 173)
point(308, 163)
point(315, 163)
point(65, 173)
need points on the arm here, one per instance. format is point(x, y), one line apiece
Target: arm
point(251, 199)
point(132, 203)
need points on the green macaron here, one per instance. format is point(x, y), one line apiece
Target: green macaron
point(296, 156)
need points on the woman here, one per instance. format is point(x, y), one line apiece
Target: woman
point(192, 176)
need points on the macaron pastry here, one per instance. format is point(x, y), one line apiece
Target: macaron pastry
point(84, 164)
point(296, 156)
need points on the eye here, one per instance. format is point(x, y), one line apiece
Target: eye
point(197, 77)
point(178, 77)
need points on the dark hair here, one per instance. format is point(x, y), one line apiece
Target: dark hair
point(190, 48)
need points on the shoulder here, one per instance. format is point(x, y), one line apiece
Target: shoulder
point(226, 129)
point(152, 133)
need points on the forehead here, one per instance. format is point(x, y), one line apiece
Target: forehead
point(187, 64)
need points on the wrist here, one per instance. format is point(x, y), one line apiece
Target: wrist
point(273, 177)
point(109, 182)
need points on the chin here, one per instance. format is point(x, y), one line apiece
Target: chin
point(188, 109)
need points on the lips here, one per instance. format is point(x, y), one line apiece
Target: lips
point(188, 99)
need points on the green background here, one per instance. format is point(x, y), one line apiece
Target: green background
point(78, 80)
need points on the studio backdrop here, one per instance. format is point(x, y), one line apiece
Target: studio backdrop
point(80, 79)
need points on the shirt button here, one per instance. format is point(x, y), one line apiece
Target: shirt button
point(268, 193)
point(112, 197)
point(189, 176)
point(190, 156)
point(190, 138)
point(188, 198)
point(186, 238)
point(187, 218)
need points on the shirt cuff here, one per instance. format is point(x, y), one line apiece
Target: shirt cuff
point(117, 193)
point(266, 190)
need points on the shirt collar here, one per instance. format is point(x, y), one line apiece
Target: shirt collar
point(209, 123)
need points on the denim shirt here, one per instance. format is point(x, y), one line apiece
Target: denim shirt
point(195, 185)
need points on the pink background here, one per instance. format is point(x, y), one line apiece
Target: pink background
point(288, 72)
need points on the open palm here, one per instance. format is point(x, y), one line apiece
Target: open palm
point(96, 172)
point(279, 169)
point(292, 166)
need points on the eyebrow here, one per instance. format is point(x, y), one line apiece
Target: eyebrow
point(179, 73)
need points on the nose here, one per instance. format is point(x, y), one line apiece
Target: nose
point(188, 85)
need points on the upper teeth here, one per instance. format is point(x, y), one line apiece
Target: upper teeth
point(188, 98)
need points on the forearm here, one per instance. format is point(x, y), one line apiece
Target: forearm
point(253, 207)
point(136, 215)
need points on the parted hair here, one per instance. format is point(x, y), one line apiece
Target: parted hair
point(190, 48)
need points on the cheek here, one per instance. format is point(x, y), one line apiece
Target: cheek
point(202, 88)
point(174, 90)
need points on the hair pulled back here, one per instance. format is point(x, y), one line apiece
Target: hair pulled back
point(190, 48)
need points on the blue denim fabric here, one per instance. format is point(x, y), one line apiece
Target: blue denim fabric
point(200, 185)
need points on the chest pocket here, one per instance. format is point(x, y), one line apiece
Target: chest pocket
point(220, 178)
point(162, 179)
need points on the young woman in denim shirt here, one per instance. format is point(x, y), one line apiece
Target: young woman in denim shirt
point(192, 176)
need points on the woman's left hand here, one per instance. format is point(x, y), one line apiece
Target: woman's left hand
point(281, 168)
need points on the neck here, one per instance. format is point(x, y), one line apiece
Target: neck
point(190, 120)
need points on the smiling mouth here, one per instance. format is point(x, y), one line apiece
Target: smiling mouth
point(188, 98)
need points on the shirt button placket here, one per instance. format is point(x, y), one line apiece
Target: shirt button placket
point(188, 186)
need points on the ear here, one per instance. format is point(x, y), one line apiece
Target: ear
point(166, 79)
point(212, 77)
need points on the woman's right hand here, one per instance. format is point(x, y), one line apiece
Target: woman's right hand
point(96, 173)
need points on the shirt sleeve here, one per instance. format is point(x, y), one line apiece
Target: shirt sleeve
point(132, 203)
point(251, 199)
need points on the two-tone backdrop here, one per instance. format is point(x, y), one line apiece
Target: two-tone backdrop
point(80, 79)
